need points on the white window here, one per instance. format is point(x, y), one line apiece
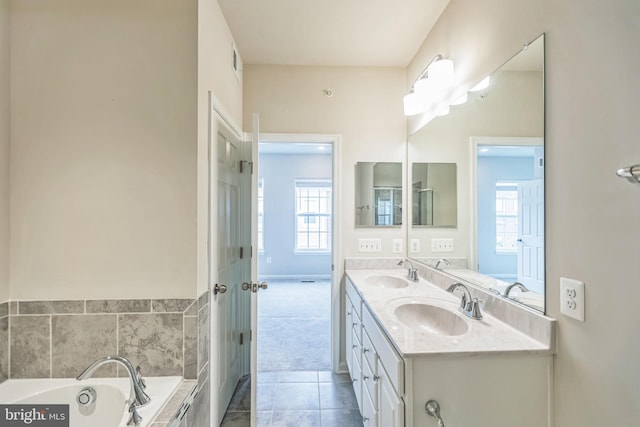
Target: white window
point(506, 217)
point(261, 215)
point(313, 215)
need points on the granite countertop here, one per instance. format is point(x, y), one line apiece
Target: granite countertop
point(487, 336)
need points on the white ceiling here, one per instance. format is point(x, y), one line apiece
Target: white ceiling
point(371, 33)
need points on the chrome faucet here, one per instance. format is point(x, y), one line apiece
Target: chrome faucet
point(412, 274)
point(137, 396)
point(518, 285)
point(469, 306)
point(442, 260)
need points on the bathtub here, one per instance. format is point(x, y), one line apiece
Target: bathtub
point(110, 408)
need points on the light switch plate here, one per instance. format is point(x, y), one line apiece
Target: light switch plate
point(414, 246)
point(397, 246)
point(572, 298)
point(441, 245)
point(369, 245)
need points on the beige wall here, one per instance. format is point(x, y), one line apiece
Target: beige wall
point(365, 109)
point(591, 215)
point(215, 76)
point(4, 150)
point(103, 148)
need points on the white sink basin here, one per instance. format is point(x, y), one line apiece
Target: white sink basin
point(384, 281)
point(431, 319)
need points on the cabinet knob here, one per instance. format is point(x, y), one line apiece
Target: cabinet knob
point(364, 350)
point(365, 419)
point(365, 377)
point(376, 378)
point(348, 313)
point(355, 323)
point(354, 346)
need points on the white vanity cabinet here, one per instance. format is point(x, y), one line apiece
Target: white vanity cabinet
point(376, 370)
point(491, 388)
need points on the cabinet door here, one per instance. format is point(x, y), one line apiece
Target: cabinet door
point(348, 335)
point(390, 405)
point(369, 414)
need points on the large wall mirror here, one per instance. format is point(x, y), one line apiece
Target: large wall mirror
point(497, 141)
point(378, 194)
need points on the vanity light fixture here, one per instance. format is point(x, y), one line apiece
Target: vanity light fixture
point(432, 89)
point(484, 83)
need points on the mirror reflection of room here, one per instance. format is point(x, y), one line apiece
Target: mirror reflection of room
point(434, 194)
point(378, 195)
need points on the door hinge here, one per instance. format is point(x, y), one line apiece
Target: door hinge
point(241, 338)
point(241, 252)
point(250, 164)
point(250, 334)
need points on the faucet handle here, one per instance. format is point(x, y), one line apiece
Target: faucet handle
point(134, 417)
point(475, 309)
point(139, 378)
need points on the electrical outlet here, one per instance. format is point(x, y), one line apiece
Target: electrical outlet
point(369, 245)
point(441, 245)
point(572, 298)
point(397, 246)
point(414, 246)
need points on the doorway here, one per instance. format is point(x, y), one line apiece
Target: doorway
point(509, 189)
point(295, 217)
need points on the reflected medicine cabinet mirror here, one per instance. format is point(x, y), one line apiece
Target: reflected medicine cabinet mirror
point(497, 141)
point(378, 193)
point(434, 195)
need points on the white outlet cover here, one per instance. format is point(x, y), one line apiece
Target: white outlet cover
point(572, 298)
point(414, 246)
point(397, 246)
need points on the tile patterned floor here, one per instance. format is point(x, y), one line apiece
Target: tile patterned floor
point(295, 385)
point(297, 399)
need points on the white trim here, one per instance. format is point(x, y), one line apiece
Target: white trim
point(336, 243)
point(473, 181)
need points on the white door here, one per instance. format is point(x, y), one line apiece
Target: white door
point(255, 286)
point(227, 303)
point(531, 234)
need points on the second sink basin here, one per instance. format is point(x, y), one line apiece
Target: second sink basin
point(384, 281)
point(431, 319)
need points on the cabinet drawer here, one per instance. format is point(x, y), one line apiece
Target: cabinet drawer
point(368, 350)
point(356, 381)
point(387, 355)
point(369, 382)
point(356, 347)
point(354, 296)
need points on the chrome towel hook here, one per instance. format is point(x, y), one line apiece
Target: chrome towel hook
point(632, 173)
point(433, 408)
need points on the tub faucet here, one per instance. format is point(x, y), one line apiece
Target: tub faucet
point(442, 260)
point(137, 395)
point(412, 274)
point(470, 307)
point(518, 285)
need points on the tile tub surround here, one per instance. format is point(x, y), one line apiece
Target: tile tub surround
point(4, 341)
point(57, 339)
point(526, 320)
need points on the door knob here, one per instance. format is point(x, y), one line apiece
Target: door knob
point(219, 289)
point(263, 285)
point(246, 286)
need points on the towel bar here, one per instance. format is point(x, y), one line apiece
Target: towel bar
point(632, 173)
